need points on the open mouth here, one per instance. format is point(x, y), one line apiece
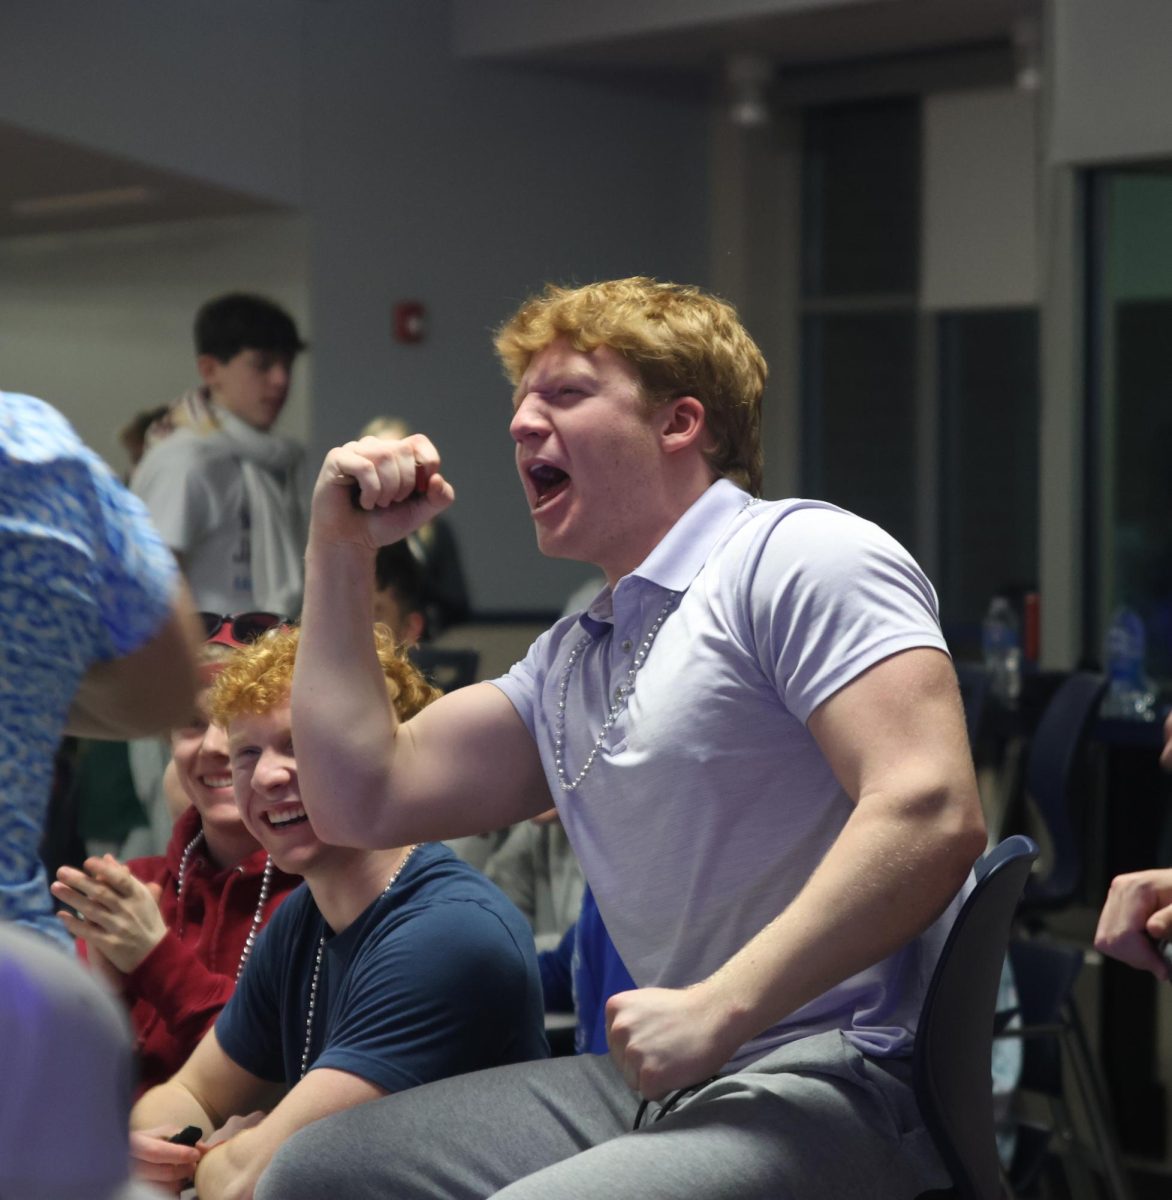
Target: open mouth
point(285, 818)
point(548, 482)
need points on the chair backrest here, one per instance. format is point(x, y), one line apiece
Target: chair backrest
point(1044, 975)
point(1052, 782)
point(952, 1063)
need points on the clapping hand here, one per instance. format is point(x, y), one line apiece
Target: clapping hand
point(119, 915)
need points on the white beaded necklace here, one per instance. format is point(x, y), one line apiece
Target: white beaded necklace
point(257, 916)
point(321, 947)
point(622, 695)
point(622, 692)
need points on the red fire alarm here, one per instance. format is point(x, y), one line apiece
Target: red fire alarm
point(410, 321)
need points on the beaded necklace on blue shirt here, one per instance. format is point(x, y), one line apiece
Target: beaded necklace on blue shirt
point(321, 946)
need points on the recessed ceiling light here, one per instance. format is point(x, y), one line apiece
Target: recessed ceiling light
point(78, 202)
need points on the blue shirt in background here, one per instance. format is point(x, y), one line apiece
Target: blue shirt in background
point(582, 974)
point(84, 578)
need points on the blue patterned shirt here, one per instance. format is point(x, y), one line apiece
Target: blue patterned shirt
point(83, 578)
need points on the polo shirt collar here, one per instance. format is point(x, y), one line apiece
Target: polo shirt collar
point(678, 557)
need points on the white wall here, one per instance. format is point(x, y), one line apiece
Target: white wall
point(99, 323)
point(466, 187)
point(1112, 67)
point(418, 176)
point(980, 200)
point(211, 88)
point(487, 27)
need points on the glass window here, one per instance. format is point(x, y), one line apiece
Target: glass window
point(860, 238)
point(859, 372)
point(860, 199)
point(988, 363)
point(1132, 410)
point(947, 464)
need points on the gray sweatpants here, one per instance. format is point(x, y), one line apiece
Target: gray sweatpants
point(812, 1119)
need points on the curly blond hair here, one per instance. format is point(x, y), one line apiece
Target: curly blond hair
point(681, 341)
point(259, 677)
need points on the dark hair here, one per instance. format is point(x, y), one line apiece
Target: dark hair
point(396, 567)
point(228, 324)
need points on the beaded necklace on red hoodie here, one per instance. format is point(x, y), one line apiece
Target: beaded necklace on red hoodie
point(257, 917)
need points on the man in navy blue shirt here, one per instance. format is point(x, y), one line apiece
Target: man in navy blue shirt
point(385, 970)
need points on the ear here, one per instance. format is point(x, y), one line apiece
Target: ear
point(412, 629)
point(684, 424)
point(208, 366)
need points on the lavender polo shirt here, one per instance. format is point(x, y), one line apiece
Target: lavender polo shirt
point(709, 804)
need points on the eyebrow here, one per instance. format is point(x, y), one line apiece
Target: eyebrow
point(576, 377)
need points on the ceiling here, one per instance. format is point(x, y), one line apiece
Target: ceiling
point(818, 35)
point(50, 186)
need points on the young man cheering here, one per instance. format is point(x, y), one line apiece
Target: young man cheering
point(754, 738)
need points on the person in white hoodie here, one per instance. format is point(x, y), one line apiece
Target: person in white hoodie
point(226, 493)
point(222, 488)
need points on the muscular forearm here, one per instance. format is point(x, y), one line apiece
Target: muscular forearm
point(342, 719)
point(230, 1170)
point(889, 875)
point(465, 764)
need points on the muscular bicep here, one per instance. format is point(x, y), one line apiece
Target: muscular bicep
point(465, 764)
point(896, 732)
point(895, 738)
point(470, 763)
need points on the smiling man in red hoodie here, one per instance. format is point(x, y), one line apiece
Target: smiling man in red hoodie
point(172, 932)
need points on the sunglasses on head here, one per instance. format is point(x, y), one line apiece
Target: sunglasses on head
point(241, 628)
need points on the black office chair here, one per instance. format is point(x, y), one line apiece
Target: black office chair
point(952, 1062)
point(1055, 786)
point(1052, 1035)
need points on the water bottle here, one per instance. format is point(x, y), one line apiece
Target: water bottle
point(1001, 649)
point(1130, 694)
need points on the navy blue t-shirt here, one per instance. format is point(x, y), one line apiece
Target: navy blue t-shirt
point(435, 978)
